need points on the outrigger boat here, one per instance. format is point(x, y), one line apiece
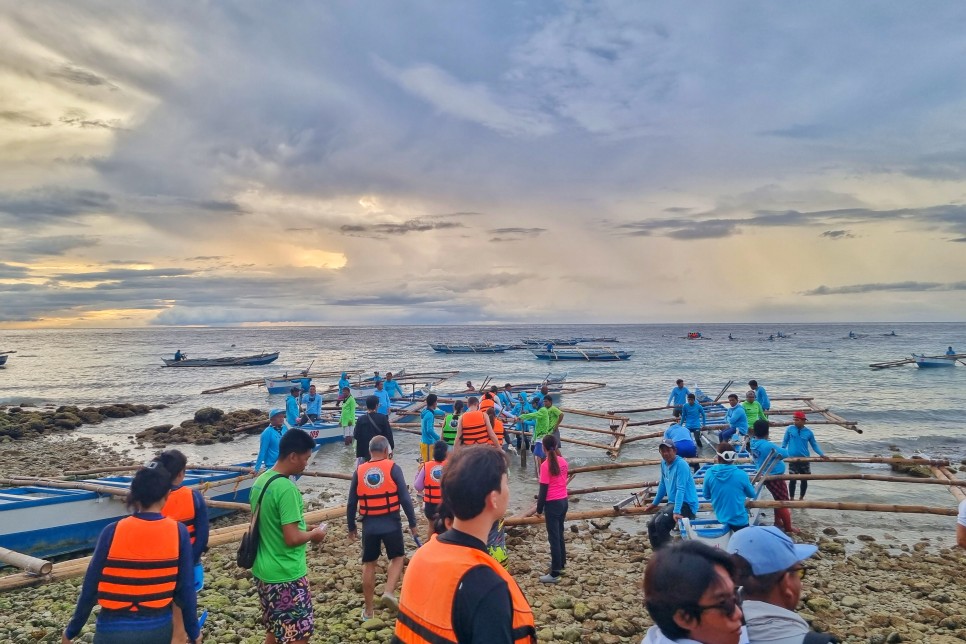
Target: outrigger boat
point(3, 360)
point(284, 385)
point(478, 347)
point(542, 342)
point(928, 362)
point(44, 520)
point(604, 354)
point(243, 361)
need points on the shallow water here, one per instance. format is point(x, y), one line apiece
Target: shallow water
point(906, 407)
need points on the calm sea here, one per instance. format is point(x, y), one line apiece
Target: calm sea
point(912, 409)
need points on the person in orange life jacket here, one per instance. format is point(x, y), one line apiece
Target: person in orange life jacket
point(379, 489)
point(454, 591)
point(497, 426)
point(428, 480)
point(131, 554)
point(188, 507)
point(474, 426)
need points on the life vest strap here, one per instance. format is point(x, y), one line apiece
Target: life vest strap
point(421, 631)
point(140, 599)
point(139, 581)
point(140, 565)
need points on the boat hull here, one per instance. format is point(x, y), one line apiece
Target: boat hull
point(3, 360)
point(284, 385)
point(459, 348)
point(933, 362)
point(578, 354)
point(323, 432)
point(244, 361)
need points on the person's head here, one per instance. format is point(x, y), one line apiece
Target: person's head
point(491, 412)
point(175, 462)
point(548, 401)
point(535, 402)
point(458, 407)
point(494, 390)
point(379, 447)
point(379, 385)
point(733, 399)
point(799, 419)
point(750, 396)
point(276, 417)
point(150, 486)
point(475, 482)
point(346, 391)
point(679, 382)
point(689, 593)
point(294, 391)
point(472, 402)
point(668, 449)
point(443, 520)
point(311, 390)
point(550, 447)
point(691, 398)
point(431, 401)
point(507, 387)
point(440, 450)
point(760, 428)
point(769, 564)
point(726, 453)
point(388, 375)
point(469, 384)
point(753, 384)
point(372, 402)
point(544, 390)
point(294, 452)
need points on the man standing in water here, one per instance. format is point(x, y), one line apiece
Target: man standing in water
point(798, 438)
point(383, 396)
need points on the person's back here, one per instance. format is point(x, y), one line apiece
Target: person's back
point(277, 562)
point(760, 448)
point(727, 487)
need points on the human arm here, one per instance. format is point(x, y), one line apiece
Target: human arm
point(748, 488)
point(660, 493)
point(787, 437)
point(419, 483)
point(815, 447)
point(490, 431)
point(482, 610)
point(88, 596)
point(201, 526)
point(670, 399)
point(350, 506)
point(185, 597)
point(296, 536)
point(542, 497)
point(288, 499)
point(704, 417)
point(682, 478)
point(405, 501)
point(263, 444)
point(708, 487)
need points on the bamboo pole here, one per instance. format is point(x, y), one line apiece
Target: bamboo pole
point(810, 459)
point(643, 437)
point(592, 414)
point(228, 505)
point(854, 507)
point(611, 488)
point(331, 475)
point(948, 479)
point(32, 565)
point(863, 477)
point(609, 432)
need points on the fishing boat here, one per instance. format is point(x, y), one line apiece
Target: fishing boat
point(3, 360)
point(477, 347)
point(602, 354)
point(929, 362)
point(607, 339)
point(243, 361)
point(694, 335)
point(325, 431)
point(283, 384)
point(44, 520)
point(562, 342)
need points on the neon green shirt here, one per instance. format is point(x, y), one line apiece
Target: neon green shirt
point(554, 416)
point(276, 562)
point(348, 412)
point(542, 418)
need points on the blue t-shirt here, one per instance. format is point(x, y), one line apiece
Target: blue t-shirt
point(384, 401)
point(738, 419)
point(798, 441)
point(427, 417)
point(679, 396)
point(291, 410)
point(268, 447)
point(678, 433)
point(692, 415)
point(313, 404)
point(760, 448)
point(727, 487)
point(678, 485)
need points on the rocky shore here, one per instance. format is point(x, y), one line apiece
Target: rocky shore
point(54, 455)
point(209, 425)
point(20, 422)
point(873, 594)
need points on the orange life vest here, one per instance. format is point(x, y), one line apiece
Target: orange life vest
point(180, 506)
point(375, 488)
point(141, 569)
point(474, 428)
point(432, 492)
point(498, 430)
point(487, 403)
point(429, 589)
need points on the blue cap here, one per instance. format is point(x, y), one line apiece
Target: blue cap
point(767, 549)
point(275, 412)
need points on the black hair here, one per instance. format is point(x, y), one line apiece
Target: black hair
point(174, 461)
point(295, 390)
point(494, 389)
point(431, 399)
point(149, 485)
point(440, 449)
point(761, 428)
point(472, 400)
point(536, 401)
point(730, 396)
point(548, 397)
point(692, 396)
point(752, 383)
point(679, 381)
point(458, 407)
point(469, 476)
point(372, 402)
point(675, 579)
point(295, 441)
point(550, 446)
point(443, 514)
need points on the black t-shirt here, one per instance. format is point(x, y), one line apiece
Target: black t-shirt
point(367, 428)
point(482, 608)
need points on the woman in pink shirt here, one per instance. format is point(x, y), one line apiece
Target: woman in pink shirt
point(552, 503)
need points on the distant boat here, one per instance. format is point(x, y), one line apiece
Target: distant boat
point(602, 354)
point(562, 342)
point(928, 362)
point(608, 339)
point(283, 385)
point(854, 336)
point(694, 335)
point(478, 347)
point(243, 361)
point(3, 360)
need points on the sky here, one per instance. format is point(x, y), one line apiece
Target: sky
point(498, 161)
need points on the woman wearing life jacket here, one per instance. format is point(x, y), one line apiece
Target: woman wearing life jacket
point(497, 425)
point(451, 422)
point(186, 506)
point(141, 567)
point(429, 482)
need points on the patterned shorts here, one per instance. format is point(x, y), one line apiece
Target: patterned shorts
point(287, 609)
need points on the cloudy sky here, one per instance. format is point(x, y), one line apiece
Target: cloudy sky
point(395, 162)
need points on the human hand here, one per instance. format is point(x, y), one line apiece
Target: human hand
point(824, 458)
point(678, 517)
point(318, 534)
point(413, 531)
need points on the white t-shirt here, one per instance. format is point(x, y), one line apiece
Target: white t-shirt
point(961, 520)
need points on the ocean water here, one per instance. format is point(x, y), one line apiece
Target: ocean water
point(912, 409)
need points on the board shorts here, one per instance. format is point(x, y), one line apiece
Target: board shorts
point(287, 609)
point(799, 467)
point(372, 545)
point(348, 431)
point(426, 452)
point(430, 510)
point(538, 450)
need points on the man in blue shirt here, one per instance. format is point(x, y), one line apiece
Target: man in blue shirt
point(798, 438)
point(271, 436)
point(693, 417)
point(737, 420)
point(760, 394)
point(313, 404)
point(950, 352)
point(760, 449)
point(677, 485)
point(392, 387)
point(727, 487)
point(383, 397)
point(292, 407)
point(428, 437)
point(679, 396)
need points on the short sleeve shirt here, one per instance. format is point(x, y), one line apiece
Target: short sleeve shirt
point(277, 562)
point(961, 520)
point(556, 485)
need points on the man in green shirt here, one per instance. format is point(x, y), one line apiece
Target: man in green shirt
point(556, 417)
point(348, 419)
point(280, 567)
point(545, 424)
point(753, 409)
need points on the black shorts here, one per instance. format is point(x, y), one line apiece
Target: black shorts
point(372, 545)
point(430, 509)
point(798, 467)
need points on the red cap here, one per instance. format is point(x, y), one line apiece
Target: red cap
point(799, 414)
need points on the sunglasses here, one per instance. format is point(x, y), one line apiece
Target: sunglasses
point(798, 572)
point(726, 606)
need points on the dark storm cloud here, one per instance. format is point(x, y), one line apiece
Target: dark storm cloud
point(29, 248)
point(23, 118)
point(913, 287)
point(41, 205)
point(78, 76)
point(682, 228)
point(119, 274)
point(12, 272)
point(411, 226)
point(837, 234)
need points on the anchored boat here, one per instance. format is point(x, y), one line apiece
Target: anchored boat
point(605, 354)
point(478, 347)
point(243, 361)
point(928, 362)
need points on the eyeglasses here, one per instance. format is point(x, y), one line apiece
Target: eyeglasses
point(726, 606)
point(798, 572)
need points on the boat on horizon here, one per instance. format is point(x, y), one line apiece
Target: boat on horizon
point(242, 361)
point(600, 354)
point(474, 347)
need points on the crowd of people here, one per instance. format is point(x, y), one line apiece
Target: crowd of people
point(146, 569)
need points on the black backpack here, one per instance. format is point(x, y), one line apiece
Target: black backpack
point(814, 637)
point(248, 548)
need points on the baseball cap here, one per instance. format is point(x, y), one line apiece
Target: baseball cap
point(667, 442)
point(799, 414)
point(275, 412)
point(767, 549)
